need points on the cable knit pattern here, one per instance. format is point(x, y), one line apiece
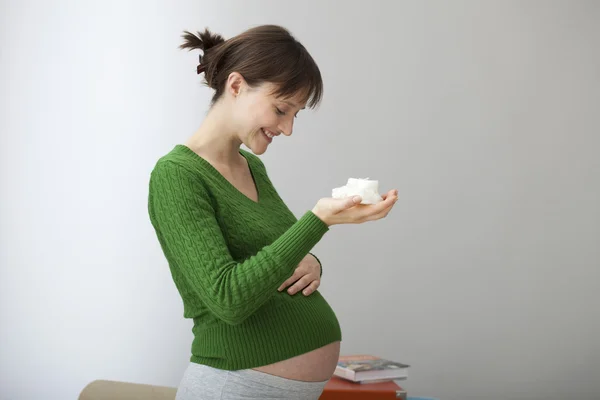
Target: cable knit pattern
point(228, 255)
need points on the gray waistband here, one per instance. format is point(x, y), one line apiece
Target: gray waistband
point(261, 378)
point(277, 381)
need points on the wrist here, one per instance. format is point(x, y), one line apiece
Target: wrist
point(320, 216)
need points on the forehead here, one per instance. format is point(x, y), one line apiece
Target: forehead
point(297, 100)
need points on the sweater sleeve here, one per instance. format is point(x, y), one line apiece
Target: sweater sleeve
point(184, 219)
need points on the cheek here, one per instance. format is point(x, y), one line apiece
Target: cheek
point(263, 117)
point(269, 120)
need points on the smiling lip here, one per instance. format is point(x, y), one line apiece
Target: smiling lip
point(269, 136)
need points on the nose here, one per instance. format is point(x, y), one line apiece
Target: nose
point(286, 127)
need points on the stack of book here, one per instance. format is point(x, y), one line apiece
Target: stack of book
point(366, 377)
point(370, 369)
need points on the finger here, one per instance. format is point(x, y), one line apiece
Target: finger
point(314, 285)
point(295, 276)
point(345, 203)
point(380, 215)
point(301, 284)
point(381, 207)
point(390, 199)
point(390, 193)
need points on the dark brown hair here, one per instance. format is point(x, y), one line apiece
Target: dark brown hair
point(267, 53)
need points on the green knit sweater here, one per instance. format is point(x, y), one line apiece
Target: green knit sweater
point(228, 255)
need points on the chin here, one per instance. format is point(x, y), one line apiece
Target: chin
point(257, 148)
point(258, 151)
point(257, 143)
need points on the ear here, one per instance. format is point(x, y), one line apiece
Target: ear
point(235, 84)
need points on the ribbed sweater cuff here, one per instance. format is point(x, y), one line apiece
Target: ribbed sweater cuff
point(300, 238)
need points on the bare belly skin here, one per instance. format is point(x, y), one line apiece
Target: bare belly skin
point(315, 366)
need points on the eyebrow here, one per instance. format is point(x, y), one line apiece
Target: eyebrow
point(292, 104)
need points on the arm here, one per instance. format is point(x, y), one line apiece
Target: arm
point(185, 221)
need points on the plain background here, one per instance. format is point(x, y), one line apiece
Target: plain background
point(483, 114)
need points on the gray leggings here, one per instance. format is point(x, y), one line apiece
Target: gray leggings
point(201, 382)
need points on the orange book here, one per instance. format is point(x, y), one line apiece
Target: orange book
point(342, 389)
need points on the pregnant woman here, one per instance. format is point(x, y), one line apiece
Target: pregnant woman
point(238, 256)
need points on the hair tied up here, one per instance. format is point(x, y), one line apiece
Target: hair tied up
point(203, 41)
point(201, 67)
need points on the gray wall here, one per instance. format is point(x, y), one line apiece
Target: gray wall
point(484, 115)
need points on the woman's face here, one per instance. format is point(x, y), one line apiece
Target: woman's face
point(262, 117)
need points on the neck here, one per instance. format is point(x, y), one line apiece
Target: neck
point(215, 139)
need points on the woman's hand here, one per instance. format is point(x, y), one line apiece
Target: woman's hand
point(307, 276)
point(350, 211)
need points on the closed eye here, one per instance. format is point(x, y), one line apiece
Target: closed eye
point(280, 112)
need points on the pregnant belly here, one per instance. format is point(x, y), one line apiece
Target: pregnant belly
point(315, 366)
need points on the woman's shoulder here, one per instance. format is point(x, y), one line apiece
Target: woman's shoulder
point(170, 162)
point(181, 162)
